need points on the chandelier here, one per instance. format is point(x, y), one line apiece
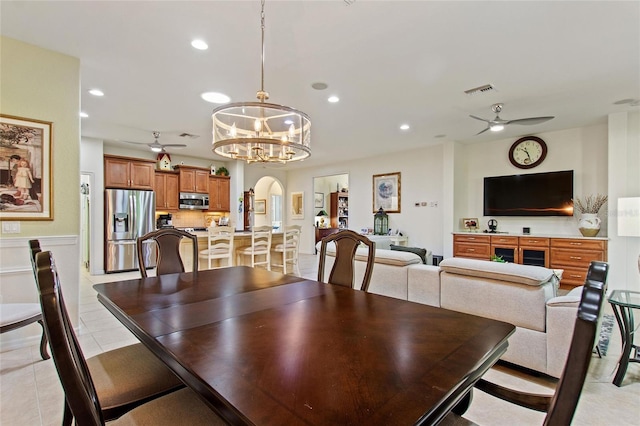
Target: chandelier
point(261, 132)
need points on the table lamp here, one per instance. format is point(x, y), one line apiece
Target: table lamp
point(629, 218)
point(321, 219)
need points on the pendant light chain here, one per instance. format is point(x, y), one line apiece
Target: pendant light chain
point(262, 95)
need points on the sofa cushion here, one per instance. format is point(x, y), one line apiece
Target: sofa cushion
point(512, 272)
point(383, 256)
point(417, 250)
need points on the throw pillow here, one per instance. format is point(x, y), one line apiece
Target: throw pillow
point(417, 250)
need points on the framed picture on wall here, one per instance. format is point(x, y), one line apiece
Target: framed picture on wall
point(25, 173)
point(386, 192)
point(318, 200)
point(297, 205)
point(260, 206)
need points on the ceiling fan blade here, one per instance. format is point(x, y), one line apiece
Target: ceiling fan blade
point(134, 143)
point(482, 131)
point(529, 121)
point(174, 145)
point(478, 118)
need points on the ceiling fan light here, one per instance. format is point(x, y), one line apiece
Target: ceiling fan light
point(496, 127)
point(156, 149)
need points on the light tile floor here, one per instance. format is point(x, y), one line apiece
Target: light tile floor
point(30, 393)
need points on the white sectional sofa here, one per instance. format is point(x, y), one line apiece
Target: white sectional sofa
point(525, 296)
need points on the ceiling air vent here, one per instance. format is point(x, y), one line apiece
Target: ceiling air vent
point(188, 135)
point(478, 90)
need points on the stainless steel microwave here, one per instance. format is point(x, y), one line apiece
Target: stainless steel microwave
point(193, 201)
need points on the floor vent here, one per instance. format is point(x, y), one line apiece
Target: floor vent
point(482, 89)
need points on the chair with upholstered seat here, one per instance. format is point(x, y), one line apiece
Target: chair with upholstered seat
point(168, 245)
point(342, 272)
point(285, 255)
point(220, 245)
point(260, 250)
point(560, 407)
point(125, 377)
point(18, 315)
point(79, 378)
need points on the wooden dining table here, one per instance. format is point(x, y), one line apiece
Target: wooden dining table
point(263, 348)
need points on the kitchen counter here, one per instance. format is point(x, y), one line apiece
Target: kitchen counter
point(240, 239)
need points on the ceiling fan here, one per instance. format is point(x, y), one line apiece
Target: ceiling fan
point(498, 123)
point(157, 146)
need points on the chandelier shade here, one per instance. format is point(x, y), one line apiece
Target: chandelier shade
point(261, 132)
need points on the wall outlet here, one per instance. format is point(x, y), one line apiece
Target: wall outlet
point(10, 227)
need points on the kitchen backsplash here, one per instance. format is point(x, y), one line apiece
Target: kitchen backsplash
point(194, 219)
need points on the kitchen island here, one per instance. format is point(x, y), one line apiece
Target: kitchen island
point(240, 239)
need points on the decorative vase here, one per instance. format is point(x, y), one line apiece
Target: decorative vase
point(589, 224)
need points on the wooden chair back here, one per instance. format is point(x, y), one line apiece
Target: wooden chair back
point(80, 393)
point(343, 270)
point(260, 246)
point(289, 249)
point(561, 406)
point(168, 244)
point(220, 244)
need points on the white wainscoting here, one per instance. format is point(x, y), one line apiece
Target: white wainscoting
point(17, 283)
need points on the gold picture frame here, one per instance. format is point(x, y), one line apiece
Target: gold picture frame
point(260, 206)
point(25, 169)
point(297, 205)
point(387, 192)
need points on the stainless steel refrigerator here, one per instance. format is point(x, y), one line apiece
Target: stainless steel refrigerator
point(128, 215)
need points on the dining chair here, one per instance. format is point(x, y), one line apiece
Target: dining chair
point(125, 377)
point(561, 406)
point(343, 271)
point(260, 249)
point(80, 380)
point(220, 245)
point(18, 315)
point(288, 251)
point(168, 244)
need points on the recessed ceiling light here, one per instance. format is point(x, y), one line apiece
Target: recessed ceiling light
point(333, 99)
point(84, 114)
point(215, 97)
point(199, 44)
point(319, 85)
point(404, 127)
point(96, 92)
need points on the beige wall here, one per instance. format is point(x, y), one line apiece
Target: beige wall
point(40, 84)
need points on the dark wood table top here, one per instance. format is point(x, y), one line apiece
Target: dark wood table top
point(264, 348)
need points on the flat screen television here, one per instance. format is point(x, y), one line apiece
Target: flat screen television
point(536, 194)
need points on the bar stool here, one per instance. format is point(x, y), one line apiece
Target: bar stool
point(260, 246)
point(288, 250)
point(220, 245)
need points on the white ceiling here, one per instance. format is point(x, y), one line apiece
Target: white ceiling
point(390, 62)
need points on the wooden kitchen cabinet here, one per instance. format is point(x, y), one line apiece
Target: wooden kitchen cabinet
point(128, 173)
point(167, 188)
point(194, 179)
point(219, 193)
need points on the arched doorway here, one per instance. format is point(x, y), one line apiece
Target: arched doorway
point(269, 203)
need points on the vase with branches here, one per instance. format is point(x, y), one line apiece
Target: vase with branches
point(588, 207)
